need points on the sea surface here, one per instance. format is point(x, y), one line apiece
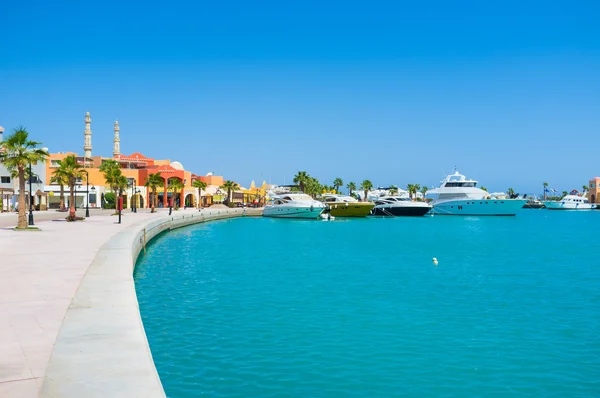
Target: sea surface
point(259, 307)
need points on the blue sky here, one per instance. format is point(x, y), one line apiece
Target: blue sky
point(396, 92)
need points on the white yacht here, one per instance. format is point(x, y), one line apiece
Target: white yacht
point(459, 196)
point(570, 202)
point(293, 205)
point(395, 206)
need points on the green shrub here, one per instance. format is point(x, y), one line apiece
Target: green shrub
point(109, 200)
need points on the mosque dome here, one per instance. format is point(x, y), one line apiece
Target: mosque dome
point(177, 166)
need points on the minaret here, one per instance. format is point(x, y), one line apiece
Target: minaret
point(116, 142)
point(87, 134)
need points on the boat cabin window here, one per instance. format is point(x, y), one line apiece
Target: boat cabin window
point(461, 184)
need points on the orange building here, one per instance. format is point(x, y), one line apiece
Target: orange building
point(594, 190)
point(135, 167)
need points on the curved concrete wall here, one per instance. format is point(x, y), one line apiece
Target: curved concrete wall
point(101, 349)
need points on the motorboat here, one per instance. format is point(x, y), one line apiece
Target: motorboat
point(570, 202)
point(459, 196)
point(396, 206)
point(293, 205)
point(346, 206)
point(533, 203)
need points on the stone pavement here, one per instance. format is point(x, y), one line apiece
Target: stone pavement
point(40, 272)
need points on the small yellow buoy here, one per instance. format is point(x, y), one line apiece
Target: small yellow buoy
point(435, 261)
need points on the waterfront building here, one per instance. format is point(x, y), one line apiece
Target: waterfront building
point(594, 190)
point(136, 168)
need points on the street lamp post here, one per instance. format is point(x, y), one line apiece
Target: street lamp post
point(30, 199)
point(170, 205)
point(87, 194)
point(133, 206)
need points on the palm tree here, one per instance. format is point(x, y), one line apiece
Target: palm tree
point(301, 178)
point(410, 188)
point(112, 171)
point(19, 153)
point(424, 190)
point(176, 184)
point(200, 185)
point(510, 192)
point(72, 172)
point(393, 189)
point(153, 181)
point(230, 186)
point(313, 187)
point(366, 186)
point(484, 189)
point(61, 179)
point(351, 187)
point(545, 189)
point(417, 189)
point(337, 183)
point(585, 189)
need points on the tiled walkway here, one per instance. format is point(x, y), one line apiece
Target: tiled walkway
point(39, 275)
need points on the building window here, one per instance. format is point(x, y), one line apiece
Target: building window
point(54, 163)
point(5, 180)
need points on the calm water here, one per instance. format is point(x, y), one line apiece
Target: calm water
point(282, 308)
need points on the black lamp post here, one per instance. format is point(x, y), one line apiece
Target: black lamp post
point(133, 207)
point(87, 193)
point(170, 204)
point(30, 198)
point(119, 203)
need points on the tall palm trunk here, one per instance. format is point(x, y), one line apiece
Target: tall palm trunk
point(153, 201)
point(62, 198)
point(22, 223)
point(72, 200)
point(117, 196)
point(199, 198)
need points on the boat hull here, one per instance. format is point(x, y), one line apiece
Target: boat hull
point(350, 209)
point(484, 207)
point(293, 212)
point(400, 211)
point(570, 206)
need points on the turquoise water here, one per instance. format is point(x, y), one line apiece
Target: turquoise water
point(258, 307)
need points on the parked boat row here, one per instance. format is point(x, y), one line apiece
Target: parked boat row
point(456, 195)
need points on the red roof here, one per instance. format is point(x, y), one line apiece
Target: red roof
point(137, 156)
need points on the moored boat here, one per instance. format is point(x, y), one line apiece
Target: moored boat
point(346, 206)
point(571, 202)
point(533, 203)
point(293, 205)
point(459, 196)
point(395, 206)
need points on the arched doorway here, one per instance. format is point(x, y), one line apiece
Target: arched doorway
point(139, 201)
point(593, 198)
point(190, 200)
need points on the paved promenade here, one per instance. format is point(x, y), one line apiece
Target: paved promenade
point(40, 275)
